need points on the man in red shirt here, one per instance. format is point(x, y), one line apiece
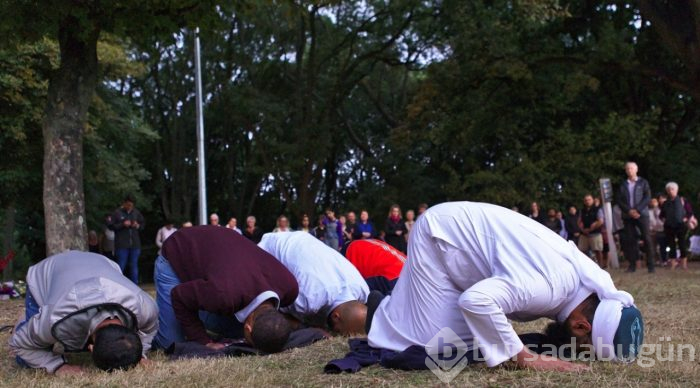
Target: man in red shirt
point(378, 262)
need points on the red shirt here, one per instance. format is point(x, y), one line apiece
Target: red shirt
point(375, 258)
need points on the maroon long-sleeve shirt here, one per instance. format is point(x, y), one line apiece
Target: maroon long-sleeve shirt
point(221, 272)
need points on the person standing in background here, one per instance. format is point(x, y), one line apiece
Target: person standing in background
point(107, 239)
point(365, 228)
point(656, 226)
point(127, 223)
point(552, 222)
point(233, 225)
point(536, 213)
point(410, 220)
point(252, 232)
point(341, 236)
point(350, 229)
point(395, 229)
point(334, 230)
point(282, 224)
point(633, 198)
point(320, 230)
point(590, 223)
point(571, 224)
point(93, 242)
point(562, 229)
point(163, 233)
point(305, 224)
point(675, 212)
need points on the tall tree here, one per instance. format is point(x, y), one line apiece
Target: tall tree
point(23, 70)
point(77, 26)
point(526, 105)
point(299, 96)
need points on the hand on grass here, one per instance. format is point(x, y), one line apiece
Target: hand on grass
point(527, 359)
point(68, 370)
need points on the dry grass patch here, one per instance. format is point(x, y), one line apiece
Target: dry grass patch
point(670, 302)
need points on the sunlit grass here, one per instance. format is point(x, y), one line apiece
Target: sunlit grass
point(670, 302)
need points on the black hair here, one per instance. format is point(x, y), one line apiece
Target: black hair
point(558, 333)
point(271, 331)
point(128, 198)
point(116, 347)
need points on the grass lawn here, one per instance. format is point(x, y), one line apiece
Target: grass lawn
point(670, 302)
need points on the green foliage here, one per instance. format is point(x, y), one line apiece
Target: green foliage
point(116, 138)
point(23, 86)
point(357, 104)
point(533, 108)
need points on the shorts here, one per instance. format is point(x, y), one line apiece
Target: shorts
point(592, 242)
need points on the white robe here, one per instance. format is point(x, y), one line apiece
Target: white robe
point(471, 267)
point(326, 278)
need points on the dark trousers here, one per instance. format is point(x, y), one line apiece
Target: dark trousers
point(630, 244)
point(661, 242)
point(679, 233)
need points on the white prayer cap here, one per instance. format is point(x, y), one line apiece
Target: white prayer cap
point(618, 331)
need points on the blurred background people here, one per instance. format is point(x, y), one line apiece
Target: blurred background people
point(252, 232)
point(233, 225)
point(164, 232)
point(127, 223)
point(282, 225)
point(395, 229)
point(675, 213)
point(658, 235)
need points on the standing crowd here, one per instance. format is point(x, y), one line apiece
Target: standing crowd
point(656, 229)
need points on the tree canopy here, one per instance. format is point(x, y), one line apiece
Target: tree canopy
point(343, 104)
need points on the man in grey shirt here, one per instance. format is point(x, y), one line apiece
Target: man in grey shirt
point(82, 301)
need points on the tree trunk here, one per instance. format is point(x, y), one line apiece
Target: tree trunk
point(71, 88)
point(8, 237)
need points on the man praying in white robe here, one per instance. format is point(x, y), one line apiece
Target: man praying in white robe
point(472, 266)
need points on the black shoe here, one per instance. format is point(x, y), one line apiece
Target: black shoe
point(652, 270)
point(630, 270)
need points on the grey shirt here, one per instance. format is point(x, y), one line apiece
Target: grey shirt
point(75, 292)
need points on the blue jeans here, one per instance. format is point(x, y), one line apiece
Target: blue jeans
point(130, 257)
point(169, 330)
point(31, 308)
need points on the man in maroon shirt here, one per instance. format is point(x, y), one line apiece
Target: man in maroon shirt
point(207, 275)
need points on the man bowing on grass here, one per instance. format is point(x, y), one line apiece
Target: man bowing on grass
point(472, 266)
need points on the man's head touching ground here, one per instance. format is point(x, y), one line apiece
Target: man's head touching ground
point(267, 329)
point(577, 326)
point(116, 347)
point(349, 318)
point(613, 331)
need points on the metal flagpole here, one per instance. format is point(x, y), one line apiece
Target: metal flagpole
point(200, 134)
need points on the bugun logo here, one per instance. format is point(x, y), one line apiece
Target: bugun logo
point(446, 355)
